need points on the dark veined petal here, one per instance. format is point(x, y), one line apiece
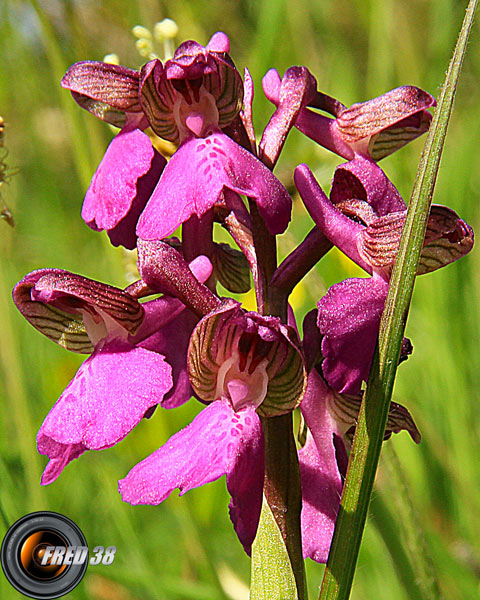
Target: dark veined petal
point(393, 138)
point(58, 303)
point(193, 68)
point(158, 102)
point(345, 408)
point(448, 238)
point(231, 268)
point(65, 329)
point(395, 118)
point(114, 85)
point(220, 334)
point(107, 91)
point(379, 241)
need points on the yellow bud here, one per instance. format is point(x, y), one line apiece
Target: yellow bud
point(112, 59)
point(166, 29)
point(139, 31)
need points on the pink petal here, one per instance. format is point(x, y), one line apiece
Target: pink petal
point(122, 185)
point(219, 42)
point(348, 318)
point(178, 329)
point(217, 442)
point(337, 227)
point(363, 179)
point(108, 396)
point(321, 480)
point(195, 177)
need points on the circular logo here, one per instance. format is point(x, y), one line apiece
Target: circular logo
point(44, 555)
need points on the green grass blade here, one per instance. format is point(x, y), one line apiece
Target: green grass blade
point(373, 414)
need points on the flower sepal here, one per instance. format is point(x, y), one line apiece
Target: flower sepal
point(74, 311)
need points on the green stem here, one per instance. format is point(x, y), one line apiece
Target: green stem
point(372, 419)
point(282, 487)
point(283, 491)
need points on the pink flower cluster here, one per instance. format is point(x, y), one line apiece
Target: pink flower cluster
point(186, 341)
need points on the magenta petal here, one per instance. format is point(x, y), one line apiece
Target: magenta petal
point(245, 477)
point(324, 131)
point(108, 396)
point(319, 128)
point(348, 318)
point(59, 454)
point(219, 42)
point(321, 480)
point(122, 185)
point(363, 179)
point(195, 177)
point(342, 231)
point(200, 453)
point(271, 84)
point(178, 329)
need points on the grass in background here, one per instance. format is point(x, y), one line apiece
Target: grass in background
point(186, 548)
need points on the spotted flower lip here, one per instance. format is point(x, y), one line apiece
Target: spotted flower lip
point(214, 164)
point(373, 129)
point(365, 220)
point(187, 100)
point(219, 441)
point(95, 412)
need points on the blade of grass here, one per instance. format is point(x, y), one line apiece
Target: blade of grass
point(367, 444)
point(401, 525)
point(83, 162)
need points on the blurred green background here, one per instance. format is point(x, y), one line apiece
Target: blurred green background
point(422, 538)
